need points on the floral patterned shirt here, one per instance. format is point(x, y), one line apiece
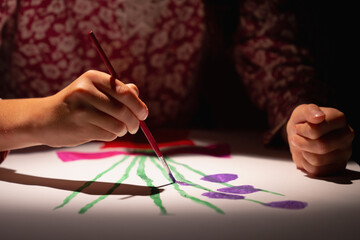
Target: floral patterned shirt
point(155, 44)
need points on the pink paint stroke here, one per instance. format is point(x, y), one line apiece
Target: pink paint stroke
point(74, 156)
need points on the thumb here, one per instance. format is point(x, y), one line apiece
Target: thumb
point(314, 114)
point(308, 113)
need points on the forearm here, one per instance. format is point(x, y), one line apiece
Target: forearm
point(18, 123)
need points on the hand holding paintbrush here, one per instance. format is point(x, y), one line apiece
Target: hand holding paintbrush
point(92, 107)
point(143, 126)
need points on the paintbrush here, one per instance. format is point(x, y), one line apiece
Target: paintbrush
point(143, 125)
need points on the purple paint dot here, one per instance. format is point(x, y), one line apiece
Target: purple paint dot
point(243, 189)
point(221, 195)
point(183, 183)
point(220, 178)
point(293, 205)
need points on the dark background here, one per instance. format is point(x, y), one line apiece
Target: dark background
point(329, 30)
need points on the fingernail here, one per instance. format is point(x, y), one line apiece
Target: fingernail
point(144, 114)
point(316, 112)
point(134, 131)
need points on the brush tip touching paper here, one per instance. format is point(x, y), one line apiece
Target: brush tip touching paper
point(172, 178)
point(162, 160)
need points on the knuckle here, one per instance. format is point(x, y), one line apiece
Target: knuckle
point(119, 128)
point(316, 162)
point(134, 128)
point(110, 137)
point(321, 147)
point(295, 140)
point(133, 87)
point(311, 105)
point(300, 107)
point(122, 132)
point(81, 88)
point(89, 74)
point(314, 171)
point(311, 169)
point(125, 94)
point(123, 90)
point(314, 159)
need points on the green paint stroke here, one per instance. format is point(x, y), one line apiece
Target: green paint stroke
point(111, 190)
point(184, 194)
point(195, 170)
point(203, 174)
point(254, 201)
point(88, 183)
point(155, 197)
point(181, 178)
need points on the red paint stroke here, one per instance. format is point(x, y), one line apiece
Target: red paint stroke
point(215, 150)
point(128, 144)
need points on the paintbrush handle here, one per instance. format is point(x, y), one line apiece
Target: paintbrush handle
point(112, 71)
point(103, 55)
point(150, 138)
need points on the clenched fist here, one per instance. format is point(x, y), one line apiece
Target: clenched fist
point(320, 139)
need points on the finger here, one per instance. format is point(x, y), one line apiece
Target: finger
point(127, 96)
point(119, 91)
point(100, 134)
point(107, 123)
point(307, 113)
point(134, 88)
point(318, 160)
point(328, 143)
point(297, 158)
point(323, 170)
point(89, 131)
point(108, 106)
point(315, 131)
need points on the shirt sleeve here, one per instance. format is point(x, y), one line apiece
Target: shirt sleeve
point(7, 8)
point(3, 156)
point(277, 73)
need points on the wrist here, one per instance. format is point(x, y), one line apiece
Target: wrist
point(19, 123)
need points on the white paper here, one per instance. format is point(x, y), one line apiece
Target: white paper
point(34, 183)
